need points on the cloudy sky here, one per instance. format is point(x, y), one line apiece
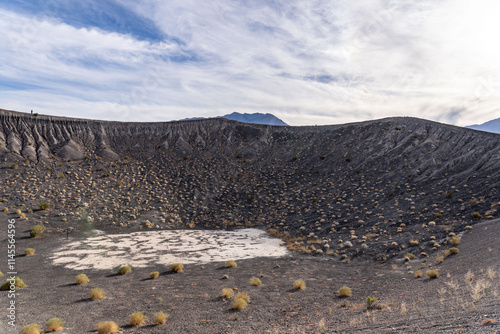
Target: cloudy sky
point(307, 62)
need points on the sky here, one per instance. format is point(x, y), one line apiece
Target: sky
point(307, 62)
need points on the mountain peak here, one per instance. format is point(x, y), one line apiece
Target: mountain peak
point(255, 118)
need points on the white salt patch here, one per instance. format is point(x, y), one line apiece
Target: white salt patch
point(141, 249)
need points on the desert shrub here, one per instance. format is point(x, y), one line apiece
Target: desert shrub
point(455, 240)
point(29, 251)
point(239, 304)
point(31, 329)
point(476, 215)
point(370, 302)
point(177, 267)
point(36, 230)
point(231, 264)
point(299, 285)
point(160, 318)
point(451, 251)
point(432, 274)
point(348, 159)
point(107, 327)
point(344, 292)
point(438, 215)
point(44, 205)
point(13, 166)
point(137, 319)
point(154, 274)
point(244, 296)
point(18, 212)
point(55, 325)
point(227, 293)
point(410, 256)
point(96, 294)
point(1, 274)
point(123, 270)
point(81, 279)
point(6, 209)
point(440, 259)
point(254, 281)
point(18, 284)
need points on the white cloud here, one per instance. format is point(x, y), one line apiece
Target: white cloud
point(306, 62)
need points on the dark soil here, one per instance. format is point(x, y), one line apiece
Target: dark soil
point(192, 298)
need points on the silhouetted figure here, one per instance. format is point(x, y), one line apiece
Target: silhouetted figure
point(32, 111)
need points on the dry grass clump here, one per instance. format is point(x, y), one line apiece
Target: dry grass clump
point(451, 251)
point(455, 240)
point(81, 279)
point(107, 327)
point(476, 215)
point(432, 274)
point(414, 242)
point(154, 274)
point(123, 270)
point(18, 284)
point(490, 272)
point(97, 293)
point(239, 304)
point(44, 205)
point(469, 276)
point(244, 296)
point(160, 318)
point(55, 325)
point(409, 256)
point(344, 292)
point(137, 319)
point(254, 281)
point(177, 267)
point(478, 290)
point(227, 293)
point(31, 329)
point(419, 274)
point(299, 285)
point(370, 303)
point(29, 251)
point(36, 230)
point(231, 264)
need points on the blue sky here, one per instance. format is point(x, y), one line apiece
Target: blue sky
point(307, 62)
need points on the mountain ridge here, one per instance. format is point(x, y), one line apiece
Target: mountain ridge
point(254, 118)
point(492, 126)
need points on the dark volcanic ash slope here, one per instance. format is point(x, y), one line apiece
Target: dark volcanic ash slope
point(377, 184)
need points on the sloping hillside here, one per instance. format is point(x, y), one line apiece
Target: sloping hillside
point(368, 182)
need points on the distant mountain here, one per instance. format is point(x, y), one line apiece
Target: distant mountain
point(255, 118)
point(490, 126)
